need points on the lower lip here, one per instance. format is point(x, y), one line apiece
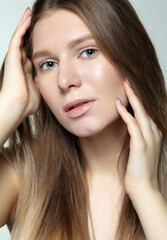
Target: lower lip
point(79, 111)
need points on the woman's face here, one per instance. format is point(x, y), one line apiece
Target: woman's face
point(76, 80)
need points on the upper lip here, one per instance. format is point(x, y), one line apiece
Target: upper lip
point(75, 102)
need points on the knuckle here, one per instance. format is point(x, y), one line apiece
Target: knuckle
point(134, 124)
point(28, 67)
point(158, 138)
point(157, 134)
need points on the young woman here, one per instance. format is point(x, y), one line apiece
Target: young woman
point(88, 159)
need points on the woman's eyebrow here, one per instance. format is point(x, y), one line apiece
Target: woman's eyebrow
point(43, 53)
point(78, 41)
point(72, 44)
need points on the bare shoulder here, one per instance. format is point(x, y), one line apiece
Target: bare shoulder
point(9, 189)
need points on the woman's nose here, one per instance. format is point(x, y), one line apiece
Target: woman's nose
point(68, 77)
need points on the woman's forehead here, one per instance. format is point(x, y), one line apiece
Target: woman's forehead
point(60, 25)
point(58, 20)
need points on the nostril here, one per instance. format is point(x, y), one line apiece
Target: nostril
point(71, 86)
point(68, 81)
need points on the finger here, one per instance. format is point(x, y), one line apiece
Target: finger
point(132, 125)
point(27, 67)
point(25, 15)
point(157, 133)
point(27, 64)
point(24, 57)
point(17, 39)
point(140, 113)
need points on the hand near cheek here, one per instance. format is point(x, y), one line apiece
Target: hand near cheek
point(145, 146)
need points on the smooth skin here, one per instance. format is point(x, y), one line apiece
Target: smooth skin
point(140, 182)
point(76, 71)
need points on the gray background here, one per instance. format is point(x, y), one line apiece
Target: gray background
point(153, 14)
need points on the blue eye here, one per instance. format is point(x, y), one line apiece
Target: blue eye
point(47, 65)
point(89, 53)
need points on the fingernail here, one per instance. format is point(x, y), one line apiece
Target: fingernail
point(28, 16)
point(119, 101)
point(128, 82)
point(27, 9)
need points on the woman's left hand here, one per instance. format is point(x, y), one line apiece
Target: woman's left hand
point(145, 146)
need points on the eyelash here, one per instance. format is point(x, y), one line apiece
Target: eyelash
point(44, 64)
point(53, 62)
point(95, 50)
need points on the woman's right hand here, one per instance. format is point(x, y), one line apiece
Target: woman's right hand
point(18, 86)
point(19, 96)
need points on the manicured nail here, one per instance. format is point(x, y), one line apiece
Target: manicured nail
point(119, 101)
point(27, 9)
point(28, 16)
point(128, 82)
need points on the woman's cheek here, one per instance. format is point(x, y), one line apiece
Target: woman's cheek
point(47, 89)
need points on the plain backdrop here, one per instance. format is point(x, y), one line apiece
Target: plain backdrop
point(153, 14)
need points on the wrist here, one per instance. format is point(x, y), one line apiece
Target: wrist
point(151, 209)
point(10, 117)
point(10, 107)
point(143, 192)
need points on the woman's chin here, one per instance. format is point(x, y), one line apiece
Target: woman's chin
point(88, 131)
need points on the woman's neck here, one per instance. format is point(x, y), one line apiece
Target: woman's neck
point(103, 150)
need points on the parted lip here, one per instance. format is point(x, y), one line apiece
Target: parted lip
point(72, 104)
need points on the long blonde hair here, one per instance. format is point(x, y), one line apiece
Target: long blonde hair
point(53, 202)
